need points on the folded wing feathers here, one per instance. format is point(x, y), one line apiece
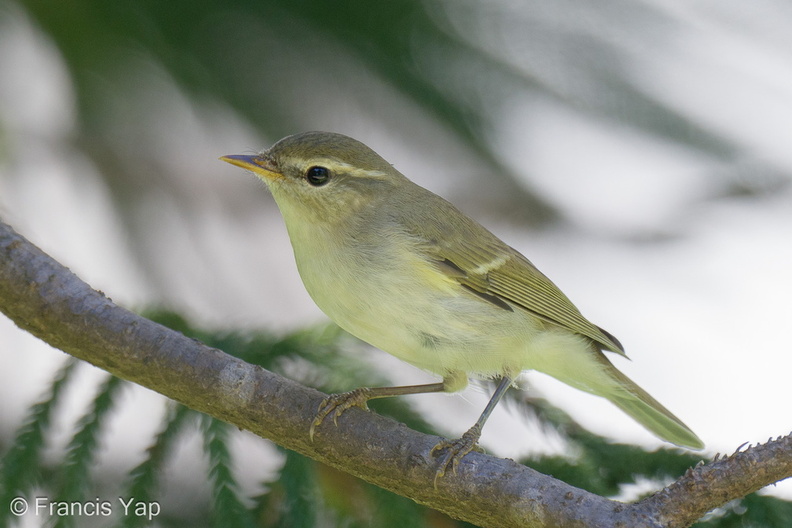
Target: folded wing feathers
point(514, 279)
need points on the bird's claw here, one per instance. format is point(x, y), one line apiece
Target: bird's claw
point(455, 450)
point(336, 404)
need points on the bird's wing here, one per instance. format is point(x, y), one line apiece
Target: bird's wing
point(501, 275)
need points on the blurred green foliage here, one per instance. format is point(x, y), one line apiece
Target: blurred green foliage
point(303, 493)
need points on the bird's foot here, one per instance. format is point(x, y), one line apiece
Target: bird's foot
point(336, 404)
point(455, 450)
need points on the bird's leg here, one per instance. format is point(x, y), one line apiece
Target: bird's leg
point(455, 450)
point(335, 404)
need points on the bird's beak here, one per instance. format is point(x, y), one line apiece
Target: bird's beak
point(259, 164)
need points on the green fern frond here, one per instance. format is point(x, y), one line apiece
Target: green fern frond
point(754, 511)
point(229, 510)
point(75, 481)
point(389, 509)
point(294, 499)
point(143, 482)
point(596, 464)
point(20, 468)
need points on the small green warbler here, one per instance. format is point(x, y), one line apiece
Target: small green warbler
point(404, 270)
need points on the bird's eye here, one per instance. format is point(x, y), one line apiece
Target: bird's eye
point(317, 176)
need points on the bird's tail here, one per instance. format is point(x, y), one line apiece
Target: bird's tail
point(594, 373)
point(647, 411)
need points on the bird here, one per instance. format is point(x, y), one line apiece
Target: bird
point(404, 270)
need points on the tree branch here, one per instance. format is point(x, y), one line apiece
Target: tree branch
point(47, 300)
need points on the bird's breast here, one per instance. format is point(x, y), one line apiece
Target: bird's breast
point(392, 298)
